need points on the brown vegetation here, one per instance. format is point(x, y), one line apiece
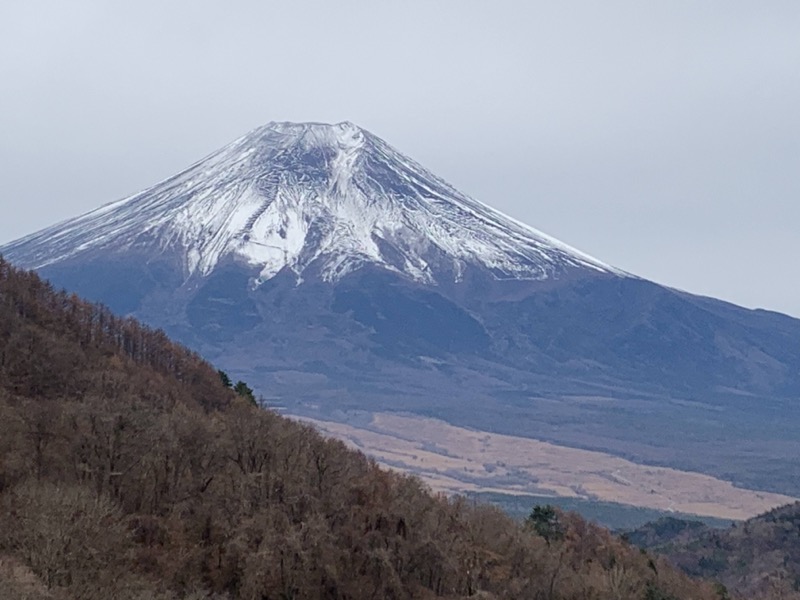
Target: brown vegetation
point(759, 558)
point(128, 470)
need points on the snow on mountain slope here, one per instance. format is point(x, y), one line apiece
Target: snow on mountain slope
point(296, 195)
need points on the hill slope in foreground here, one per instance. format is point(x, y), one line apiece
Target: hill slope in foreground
point(128, 471)
point(347, 284)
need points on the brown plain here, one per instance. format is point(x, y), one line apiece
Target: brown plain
point(453, 459)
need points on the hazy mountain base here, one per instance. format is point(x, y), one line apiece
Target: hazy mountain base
point(618, 366)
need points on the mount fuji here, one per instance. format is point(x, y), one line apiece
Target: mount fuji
point(327, 199)
point(342, 279)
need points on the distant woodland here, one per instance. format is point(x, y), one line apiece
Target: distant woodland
point(130, 470)
point(760, 557)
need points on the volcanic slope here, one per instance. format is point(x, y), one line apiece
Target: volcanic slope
point(345, 280)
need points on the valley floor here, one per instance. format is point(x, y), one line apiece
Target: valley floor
point(464, 460)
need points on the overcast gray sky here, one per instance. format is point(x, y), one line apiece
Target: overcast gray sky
point(661, 137)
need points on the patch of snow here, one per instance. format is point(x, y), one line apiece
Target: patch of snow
point(292, 195)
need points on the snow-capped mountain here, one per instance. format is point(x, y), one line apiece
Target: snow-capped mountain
point(293, 196)
point(338, 277)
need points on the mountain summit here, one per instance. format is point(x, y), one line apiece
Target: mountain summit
point(344, 281)
point(311, 197)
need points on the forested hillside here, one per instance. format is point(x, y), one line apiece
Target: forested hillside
point(128, 470)
point(758, 557)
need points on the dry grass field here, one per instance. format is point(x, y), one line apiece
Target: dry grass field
point(453, 459)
